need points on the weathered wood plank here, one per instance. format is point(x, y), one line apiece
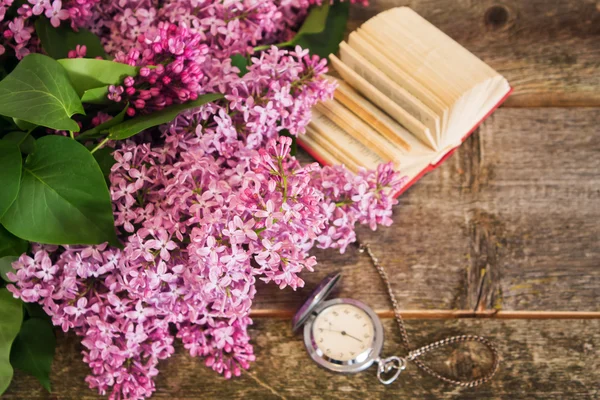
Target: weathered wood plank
point(535, 220)
point(425, 250)
point(548, 50)
point(519, 202)
point(541, 359)
point(428, 263)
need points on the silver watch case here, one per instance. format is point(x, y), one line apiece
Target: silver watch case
point(360, 362)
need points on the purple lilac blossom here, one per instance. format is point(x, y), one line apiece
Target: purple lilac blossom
point(204, 205)
point(198, 230)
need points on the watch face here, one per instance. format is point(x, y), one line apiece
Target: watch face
point(343, 335)
point(343, 332)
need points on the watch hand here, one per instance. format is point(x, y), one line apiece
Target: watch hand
point(353, 337)
point(343, 334)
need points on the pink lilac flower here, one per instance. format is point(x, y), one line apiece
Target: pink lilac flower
point(195, 270)
point(171, 60)
point(18, 30)
point(79, 52)
point(56, 13)
point(204, 205)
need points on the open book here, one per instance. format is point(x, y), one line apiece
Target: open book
point(408, 93)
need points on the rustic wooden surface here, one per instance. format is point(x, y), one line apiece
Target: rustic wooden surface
point(547, 49)
point(541, 359)
point(504, 235)
point(520, 200)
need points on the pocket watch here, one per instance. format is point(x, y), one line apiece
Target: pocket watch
point(344, 335)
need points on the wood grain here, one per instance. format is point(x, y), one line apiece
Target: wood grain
point(508, 227)
point(535, 217)
point(548, 50)
point(511, 222)
point(427, 263)
point(541, 360)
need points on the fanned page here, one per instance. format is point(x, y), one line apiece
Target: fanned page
point(408, 94)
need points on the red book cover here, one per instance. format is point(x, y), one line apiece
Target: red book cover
point(429, 168)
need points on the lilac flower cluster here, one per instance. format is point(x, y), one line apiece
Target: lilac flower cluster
point(204, 205)
point(171, 60)
point(276, 94)
point(227, 27)
point(198, 229)
point(17, 20)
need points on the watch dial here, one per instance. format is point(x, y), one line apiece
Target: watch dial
point(343, 332)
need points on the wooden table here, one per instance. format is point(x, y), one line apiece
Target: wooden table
point(501, 241)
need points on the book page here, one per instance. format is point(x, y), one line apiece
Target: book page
point(356, 128)
point(406, 142)
point(333, 138)
point(338, 145)
point(390, 88)
point(471, 67)
point(371, 115)
point(402, 78)
point(427, 50)
point(395, 111)
point(423, 67)
point(324, 150)
point(326, 157)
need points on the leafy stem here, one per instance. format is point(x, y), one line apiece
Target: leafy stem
point(283, 178)
point(343, 203)
point(20, 142)
point(268, 46)
point(99, 146)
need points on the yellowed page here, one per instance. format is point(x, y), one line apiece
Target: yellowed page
point(356, 127)
point(474, 69)
point(352, 148)
point(376, 118)
point(391, 89)
point(310, 143)
point(398, 75)
point(338, 145)
point(325, 152)
point(382, 101)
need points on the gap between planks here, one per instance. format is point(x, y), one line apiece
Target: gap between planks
point(454, 314)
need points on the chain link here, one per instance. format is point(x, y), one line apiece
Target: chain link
point(413, 355)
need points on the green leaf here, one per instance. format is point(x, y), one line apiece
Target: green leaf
point(7, 124)
point(105, 160)
point(24, 125)
point(97, 95)
point(34, 310)
point(10, 245)
point(63, 197)
point(314, 22)
point(138, 124)
point(57, 42)
point(6, 266)
point(103, 127)
point(11, 316)
point(33, 350)
point(10, 174)
point(24, 140)
point(241, 62)
point(38, 91)
point(328, 40)
point(87, 73)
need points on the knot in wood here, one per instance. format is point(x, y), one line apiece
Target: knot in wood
point(496, 16)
